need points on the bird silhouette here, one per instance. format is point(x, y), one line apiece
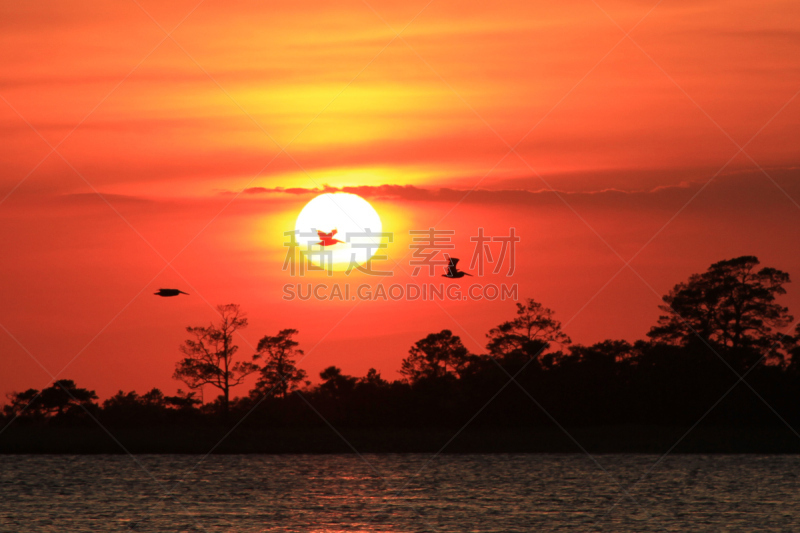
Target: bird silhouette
point(326, 239)
point(169, 292)
point(452, 270)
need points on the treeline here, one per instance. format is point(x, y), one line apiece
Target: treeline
point(722, 334)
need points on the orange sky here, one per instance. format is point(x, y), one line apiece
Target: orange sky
point(168, 130)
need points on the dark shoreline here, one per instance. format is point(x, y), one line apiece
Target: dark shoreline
point(194, 440)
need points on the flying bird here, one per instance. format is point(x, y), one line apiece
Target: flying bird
point(169, 292)
point(453, 271)
point(326, 239)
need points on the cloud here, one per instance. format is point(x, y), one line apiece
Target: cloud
point(730, 190)
point(478, 195)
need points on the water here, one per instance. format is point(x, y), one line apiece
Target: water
point(398, 493)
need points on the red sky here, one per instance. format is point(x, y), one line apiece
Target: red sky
point(156, 136)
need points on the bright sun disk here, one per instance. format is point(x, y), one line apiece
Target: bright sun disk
point(357, 225)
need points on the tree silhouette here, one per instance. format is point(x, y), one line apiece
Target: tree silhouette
point(60, 397)
point(210, 354)
point(64, 395)
point(154, 399)
point(373, 379)
point(279, 372)
point(182, 401)
point(436, 356)
point(335, 383)
point(602, 354)
point(528, 335)
point(27, 402)
point(730, 305)
point(667, 382)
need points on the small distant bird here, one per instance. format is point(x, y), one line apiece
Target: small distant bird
point(453, 271)
point(169, 292)
point(326, 239)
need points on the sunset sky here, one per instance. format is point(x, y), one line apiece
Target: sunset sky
point(149, 144)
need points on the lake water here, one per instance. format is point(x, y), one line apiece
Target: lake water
point(398, 493)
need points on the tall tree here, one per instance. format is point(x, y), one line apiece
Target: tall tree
point(279, 372)
point(733, 304)
point(527, 335)
point(210, 355)
point(436, 356)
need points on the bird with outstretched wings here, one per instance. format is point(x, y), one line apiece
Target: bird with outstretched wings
point(452, 270)
point(326, 239)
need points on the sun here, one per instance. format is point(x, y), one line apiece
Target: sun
point(356, 225)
